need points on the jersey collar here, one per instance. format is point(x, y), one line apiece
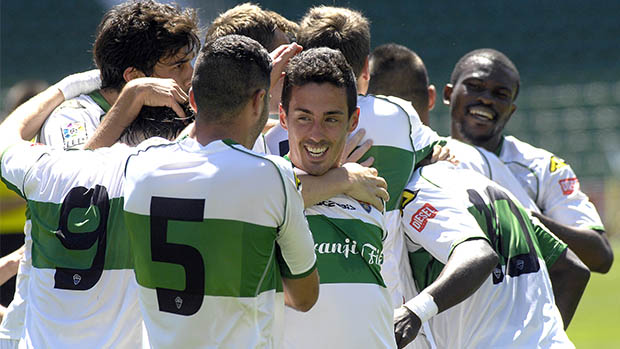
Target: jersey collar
point(101, 102)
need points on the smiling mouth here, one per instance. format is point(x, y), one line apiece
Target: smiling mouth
point(482, 113)
point(316, 151)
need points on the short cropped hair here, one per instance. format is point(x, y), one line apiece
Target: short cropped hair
point(339, 28)
point(397, 71)
point(495, 56)
point(228, 72)
point(320, 65)
point(140, 34)
point(252, 21)
point(156, 122)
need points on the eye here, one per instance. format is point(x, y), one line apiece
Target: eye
point(332, 119)
point(473, 85)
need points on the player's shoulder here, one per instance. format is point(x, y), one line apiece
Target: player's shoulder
point(385, 105)
point(538, 159)
point(82, 104)
point(347, 208)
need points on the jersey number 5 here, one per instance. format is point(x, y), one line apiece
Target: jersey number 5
point(187, 301)
point(81, 197)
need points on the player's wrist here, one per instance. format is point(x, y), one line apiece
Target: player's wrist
point(423, 306)
point(80, 83)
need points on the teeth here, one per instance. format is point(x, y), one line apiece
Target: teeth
point(316, 151)
point(482, 112)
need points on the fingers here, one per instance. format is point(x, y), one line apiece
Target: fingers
point(368, 162)
point(280, 57)
point(351, 143)
point(377, 203)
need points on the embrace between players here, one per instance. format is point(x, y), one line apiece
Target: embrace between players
point(205, 241)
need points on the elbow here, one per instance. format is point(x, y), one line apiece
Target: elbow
point(306, 303)
point(606, 260)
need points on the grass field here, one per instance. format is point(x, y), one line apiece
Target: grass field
point(596, 323)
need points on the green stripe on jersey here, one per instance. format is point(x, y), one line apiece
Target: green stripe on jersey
point(395, 165)
point(239, 257)
point(347, 250)
point(48, 251)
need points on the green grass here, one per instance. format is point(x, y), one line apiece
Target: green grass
point(596, 323)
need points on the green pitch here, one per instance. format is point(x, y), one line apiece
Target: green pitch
point(596, 322)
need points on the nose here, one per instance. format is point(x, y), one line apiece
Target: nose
point(485, 97)
point(316, 132)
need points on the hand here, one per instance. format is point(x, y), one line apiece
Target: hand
point(279, 59)
point(365, 185)
point(406, 326)
point(442, 153)
point(352, 152)
point(156, 92)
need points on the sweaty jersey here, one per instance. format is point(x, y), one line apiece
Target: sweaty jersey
point(212, 230)
point(354, 309)
point(551, 183)
point(73, 122)
point(400, 141)
point(515, 305)
point(81, 290)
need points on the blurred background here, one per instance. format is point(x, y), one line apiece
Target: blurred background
point(567, 52)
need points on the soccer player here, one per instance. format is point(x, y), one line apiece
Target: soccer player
point(482, 92)
point(134, 39)
point(80, 288)
point(397, 71)
point(354, 308)
point(215, 228)
point(399, 138)
point(485, 265)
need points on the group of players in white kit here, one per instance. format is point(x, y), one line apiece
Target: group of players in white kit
point(200, 242)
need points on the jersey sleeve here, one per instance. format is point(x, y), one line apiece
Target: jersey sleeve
point(67, 127)
point(562, 199)
point(439, 224)
point(551, 247)
point(16, 163)
point(295, 243)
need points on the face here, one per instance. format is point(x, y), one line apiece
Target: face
point(481, 102)
point(318, 124)
point(178, 67)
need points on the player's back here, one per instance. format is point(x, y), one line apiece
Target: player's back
point(204, 221)
point(515, 305)
point(81, 276)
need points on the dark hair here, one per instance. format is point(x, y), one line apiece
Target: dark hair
point(338, 28)
point(252, 21)
point(140, 34)
point(156, 122)
point(495, 56)
point(397, 71)
point(320, 65)
point(229, 71)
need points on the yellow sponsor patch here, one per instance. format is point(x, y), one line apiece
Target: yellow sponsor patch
point(556, 163)
point(408, 196)
point(297, 181)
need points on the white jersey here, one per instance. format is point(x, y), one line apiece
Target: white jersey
point(81, 290)
point(212, 229)
point(73, 122)
point(551, 183)
point(354, 309)
point(515, 306)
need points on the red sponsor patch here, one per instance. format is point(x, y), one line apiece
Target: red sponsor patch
point(36, 144)
point(419, 219)
point(569, 185)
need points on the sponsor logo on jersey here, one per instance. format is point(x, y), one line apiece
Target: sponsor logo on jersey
point(36, 144)
point(349, 247)
point(421, 217)
point(569, 185)
point(297, 181)
point(365, 206)
point(74, 134)
point(330, 203)
point(556, 163)
point(408, 196)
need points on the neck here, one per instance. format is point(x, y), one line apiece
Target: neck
point(207, 132)
point(110, 95)
point(362, 85)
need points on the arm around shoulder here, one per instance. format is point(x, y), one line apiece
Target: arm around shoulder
point(569, 277)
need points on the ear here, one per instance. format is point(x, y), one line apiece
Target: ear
point(355, 118)
point(513, 109)
point(365, 71)
point(447, 93)
point(132, 73)
point(258, 101)
point(282, 117)
point(192, 100)
point(432, 97)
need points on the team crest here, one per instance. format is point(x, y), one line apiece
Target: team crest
point(178, 301)
point(365, 206)
point(556, 163)
point(76, 279)
point(74, 134)
point(569, 185)
point(407, 197)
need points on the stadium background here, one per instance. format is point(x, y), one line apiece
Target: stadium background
point(568, 55)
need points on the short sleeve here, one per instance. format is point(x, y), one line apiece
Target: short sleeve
point(17, 161)
point(295, 242)
point(68, 127)
point(551, 247)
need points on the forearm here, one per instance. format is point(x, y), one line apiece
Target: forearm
point(315, 189)
point(569, 277)
point(9, 265)
point(25, 122)
point(591, 246)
